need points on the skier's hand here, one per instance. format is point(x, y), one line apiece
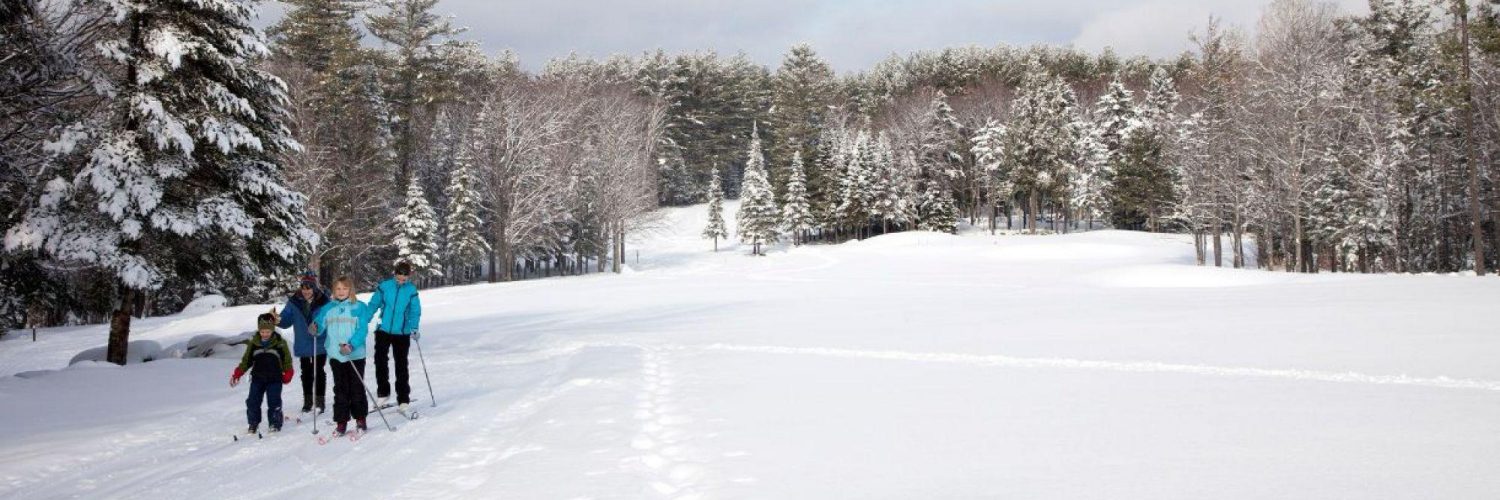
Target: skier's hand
point(234, 378)
point(286, 376)
point(345, 349)
point(416, 335)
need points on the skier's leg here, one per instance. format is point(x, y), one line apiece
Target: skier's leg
point(343, 387)
point(273, 403)
point(306, 364)
point(359, 405)
point(252, 403)
point(382, 369)
point(401, 344)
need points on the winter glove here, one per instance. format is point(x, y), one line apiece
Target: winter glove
point(286, 376)
point(234, 379)
point(416, 335)
point(345, 349)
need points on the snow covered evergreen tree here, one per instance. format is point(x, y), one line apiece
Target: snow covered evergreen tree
point(1039, 137)
point(802, 93)
point(417, 231)
point(418, 38)
point(937, 211)
point(796, 213)
point(1114, 114)
point(988, 148)
point(177, 175)
point(855, 183)
point(940, 150)
point(1091, 174)
point(886, 203)
point(758, 216)
point(715, 229)
point(1142, 184)
point(465, 247)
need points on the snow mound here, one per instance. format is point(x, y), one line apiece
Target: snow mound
point(205, 304)
point(208, 345)
point(138, 351)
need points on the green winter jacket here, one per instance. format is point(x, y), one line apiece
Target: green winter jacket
point(269, 361)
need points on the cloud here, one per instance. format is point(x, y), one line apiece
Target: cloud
point(850, 34)
point(1161, 28)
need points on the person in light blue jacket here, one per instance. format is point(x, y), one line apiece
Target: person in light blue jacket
point(345, 322)
point(400, 316)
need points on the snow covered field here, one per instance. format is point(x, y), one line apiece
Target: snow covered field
point(918, 365)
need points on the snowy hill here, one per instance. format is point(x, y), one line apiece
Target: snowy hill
point(916, 365)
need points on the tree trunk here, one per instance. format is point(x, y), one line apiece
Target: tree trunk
point(1218, 245)
point(1198, 246)
point(1476, 217)
point(119, 329)
point(1238, 240)
point(1032, 216)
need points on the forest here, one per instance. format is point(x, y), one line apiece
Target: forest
point(151, 153)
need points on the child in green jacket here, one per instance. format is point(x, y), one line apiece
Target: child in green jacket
point(267, 359)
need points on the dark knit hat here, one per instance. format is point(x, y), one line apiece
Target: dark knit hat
point(309, 279)
point(265, 322)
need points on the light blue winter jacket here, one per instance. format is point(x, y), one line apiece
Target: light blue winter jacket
point(400, 308)
point(345, 322)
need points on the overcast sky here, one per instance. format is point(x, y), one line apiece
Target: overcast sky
point(850, 34)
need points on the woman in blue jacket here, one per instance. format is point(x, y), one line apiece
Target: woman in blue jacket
point(301, 308)
point(345, 322)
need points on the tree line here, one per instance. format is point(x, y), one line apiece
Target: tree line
point(156, 152)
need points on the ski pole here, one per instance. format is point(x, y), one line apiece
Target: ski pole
point(371, 395)
point(316, 368)
point(424, 373)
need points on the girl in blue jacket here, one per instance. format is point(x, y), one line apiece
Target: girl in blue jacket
point(345, 322)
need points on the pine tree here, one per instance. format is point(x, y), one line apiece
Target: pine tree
point(1039, 137)
point(854, 183)
point(177, 175)
point(417, 77)
point(801, 94)
point(417, 230)
point(1091, 173)
point(1114, 114)
point(314, 33)
point(796, 214)
point(937, 211)
point(988, 149)
point(758, 216)
point(465, 245)
point(940, 149)
point(885, 190)
point(715, 229)
point(1142, 184)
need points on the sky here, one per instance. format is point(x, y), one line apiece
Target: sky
point(852, 35)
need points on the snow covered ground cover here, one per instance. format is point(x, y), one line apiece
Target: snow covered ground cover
point(918, 365)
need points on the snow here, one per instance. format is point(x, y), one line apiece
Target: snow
point(915, 365)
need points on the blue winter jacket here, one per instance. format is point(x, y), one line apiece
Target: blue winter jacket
point(298, 315)
point(400, 308)
point(345, 322)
